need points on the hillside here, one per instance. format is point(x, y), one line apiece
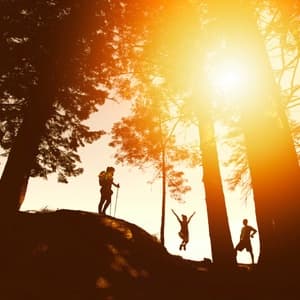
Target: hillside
point(80, 255)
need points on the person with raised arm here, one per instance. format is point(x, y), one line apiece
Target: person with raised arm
point(184, 229)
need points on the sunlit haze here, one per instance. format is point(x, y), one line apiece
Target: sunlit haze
point(233, 71)
point(229, 77)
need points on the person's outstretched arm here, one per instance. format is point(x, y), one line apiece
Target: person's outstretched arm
point(191, 216)
point(116, 184)
point(175, 215)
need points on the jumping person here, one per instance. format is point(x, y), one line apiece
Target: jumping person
point(106, 180)
point(184, 230)
point(247, 232)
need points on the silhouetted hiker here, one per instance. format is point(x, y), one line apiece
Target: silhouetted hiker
point(106, 180)
point(184, 230)
point(245, 243)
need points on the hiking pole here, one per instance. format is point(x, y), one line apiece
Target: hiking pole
point(116, 202)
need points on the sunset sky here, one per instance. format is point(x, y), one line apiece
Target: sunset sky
point(232, 74)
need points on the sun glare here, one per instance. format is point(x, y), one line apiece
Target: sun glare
point(228, 77)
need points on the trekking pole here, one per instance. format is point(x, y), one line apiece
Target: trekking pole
point(116, 202)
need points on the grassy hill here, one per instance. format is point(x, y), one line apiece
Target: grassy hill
point(74, 255)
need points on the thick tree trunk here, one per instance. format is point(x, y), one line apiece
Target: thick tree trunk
point(274, 166)
point(261, 167)
point(61, 41)
point(219, 231)
point(271, 153)
point(15, 175)
point(276, 184)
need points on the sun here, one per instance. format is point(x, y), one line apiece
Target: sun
point(229, 77)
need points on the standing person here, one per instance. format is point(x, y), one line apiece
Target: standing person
point(184, 230)
point(247, 232)
point(106, 180)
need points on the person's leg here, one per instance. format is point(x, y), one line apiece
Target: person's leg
point(185, 243)
point(252, 256)
point(106, 204)
point(181, 245)
point(238, 247)
point(101, 203)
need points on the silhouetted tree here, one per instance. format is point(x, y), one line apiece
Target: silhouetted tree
point(61, 60)
point(221, 242)
point(270, 150)
point(180, 59)
point(147, 138)
point(43, 85)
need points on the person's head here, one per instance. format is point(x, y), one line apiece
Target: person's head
point(184, 217)
point(110, 169)
point(245, 222)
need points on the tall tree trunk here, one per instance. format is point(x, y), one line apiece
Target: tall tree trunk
point(15, 175)
point(219, 231)
point(274, 165)
point(62, 39)
point(261, 168)
point(271, 153)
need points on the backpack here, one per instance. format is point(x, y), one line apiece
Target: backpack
point(102, 178)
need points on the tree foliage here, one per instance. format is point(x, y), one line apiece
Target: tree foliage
point(77, 49)
point(141, 138)
point(63, 60)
